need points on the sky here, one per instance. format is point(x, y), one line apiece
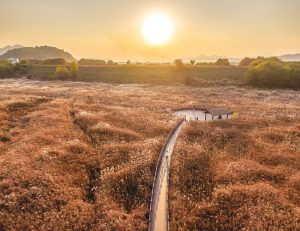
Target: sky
point(112, 29)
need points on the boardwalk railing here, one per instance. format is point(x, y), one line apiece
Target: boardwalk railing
point(158, 166)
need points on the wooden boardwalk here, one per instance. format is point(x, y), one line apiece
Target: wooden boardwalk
point(159, 207)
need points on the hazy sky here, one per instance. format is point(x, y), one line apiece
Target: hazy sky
point(111, 29)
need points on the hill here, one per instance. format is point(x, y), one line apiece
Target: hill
point(214, 58)
point(7, 48)
point(42, 52)
point(211, 58)
point(290, 57)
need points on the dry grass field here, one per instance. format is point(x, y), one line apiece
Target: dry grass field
point(73, 162)
point(242, 173)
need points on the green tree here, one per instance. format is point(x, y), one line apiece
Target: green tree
point(192, 62)
point(21, 68)
point(56, 61)
point(246, 61)
point(179, 63)
point(295, 78)
point(6, 69)
point(222, 62)
point(110, 62)
point(274, 59)
point(268, 74)
point(128, 62)
point(73, 70)
point(62, 73)
point(294, 70)
point(91, 62)
point(260, 58)
point(256, 62)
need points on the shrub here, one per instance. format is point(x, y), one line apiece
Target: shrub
point(295, 76)
point(222, 62)
point(23, 71)
point(256, 63)
point(246, 61)
point(6, 69)
point(268, 74)
point(274, 74)
point(110, 62)
point(179, 63)
point(188, 80)
point(21, 68)
point(57, 61)
point(52, 77)
point(73, 70)
point(62, 73)
point(91, 62)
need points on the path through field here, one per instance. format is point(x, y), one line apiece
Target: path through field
point(159, 206)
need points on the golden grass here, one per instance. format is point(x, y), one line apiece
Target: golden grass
point(237, 174)
point(69, 162)
point(75, 164)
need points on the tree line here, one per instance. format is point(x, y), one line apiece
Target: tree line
point(8, 69)
point(219, 63)
point(274, 74)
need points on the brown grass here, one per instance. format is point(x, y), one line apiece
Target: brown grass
point(68, 162)
point(77, 165)
point(237, 174)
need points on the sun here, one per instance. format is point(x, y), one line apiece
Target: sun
point(157, 29)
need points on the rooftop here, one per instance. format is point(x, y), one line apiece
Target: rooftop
point(220, 111)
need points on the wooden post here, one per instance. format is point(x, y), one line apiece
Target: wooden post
point(227, 116)
point(212, 117)
point(205, 116)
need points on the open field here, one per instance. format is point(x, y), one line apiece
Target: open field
point(69, 162)
point(242, 173)
point(166, 75)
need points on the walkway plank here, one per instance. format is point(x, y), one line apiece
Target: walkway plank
point(159, 206)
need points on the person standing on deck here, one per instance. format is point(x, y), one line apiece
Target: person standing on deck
point(167, 154)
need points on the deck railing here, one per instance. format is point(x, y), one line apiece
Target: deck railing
point(157, 169)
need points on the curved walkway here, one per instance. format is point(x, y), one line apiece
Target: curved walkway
point(159, 206)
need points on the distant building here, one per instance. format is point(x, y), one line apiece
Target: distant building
point(13, 60)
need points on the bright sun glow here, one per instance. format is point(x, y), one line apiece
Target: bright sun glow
point(157, 29)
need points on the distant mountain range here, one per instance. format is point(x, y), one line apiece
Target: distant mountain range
point(7, 48)
point(214, 58)
point(211, 58)
point(42, 53)
point(47, 52)
point(293, 57)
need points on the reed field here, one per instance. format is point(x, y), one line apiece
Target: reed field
point(82, 156)
point(241, 173)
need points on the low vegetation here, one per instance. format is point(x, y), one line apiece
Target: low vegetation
point(8, 70)
point(241, 173)
point(91, 62)
point(160, 75)
point(84, 164)
point(274, 74)
point(82, 156)
point(57, 61)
